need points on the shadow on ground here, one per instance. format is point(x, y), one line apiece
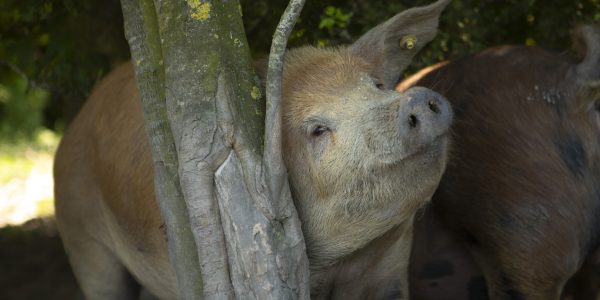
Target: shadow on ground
point(33, 264)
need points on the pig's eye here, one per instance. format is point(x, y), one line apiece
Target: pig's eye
point(319, 130)
point(379, 85)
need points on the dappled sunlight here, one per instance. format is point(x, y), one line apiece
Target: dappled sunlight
point(26, 186)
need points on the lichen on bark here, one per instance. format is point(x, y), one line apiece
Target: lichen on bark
point(199, 10)
point(197, 83)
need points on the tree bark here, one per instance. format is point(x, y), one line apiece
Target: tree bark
point(141, 29)
point(232, 229)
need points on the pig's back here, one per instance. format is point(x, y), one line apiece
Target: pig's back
point(104, 183)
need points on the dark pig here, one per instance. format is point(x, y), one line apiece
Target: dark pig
point(520, 201)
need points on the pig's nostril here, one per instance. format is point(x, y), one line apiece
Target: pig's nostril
point(433, 106)
point(413, 121)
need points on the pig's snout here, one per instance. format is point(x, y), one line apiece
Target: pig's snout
point(425, 116)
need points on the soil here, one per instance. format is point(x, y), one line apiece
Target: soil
point(33, 264)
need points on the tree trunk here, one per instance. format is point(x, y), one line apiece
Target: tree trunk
point(232, 229)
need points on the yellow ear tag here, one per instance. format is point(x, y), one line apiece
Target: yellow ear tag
point(408, 42)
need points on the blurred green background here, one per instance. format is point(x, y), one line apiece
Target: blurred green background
point(53, 51)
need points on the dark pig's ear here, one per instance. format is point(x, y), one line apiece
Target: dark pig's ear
point(390, 46)
point(586, 40)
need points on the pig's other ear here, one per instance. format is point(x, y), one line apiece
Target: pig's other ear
point(586, 41)
point(261, 67)
point(390, 46)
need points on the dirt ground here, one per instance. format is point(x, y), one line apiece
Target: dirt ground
point(33, 264)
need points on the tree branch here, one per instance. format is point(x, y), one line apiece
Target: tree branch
point(15, 69)
point(142, 32)
point(266, 249)
point(273, 158)
point(213, 104)
point(192, 42)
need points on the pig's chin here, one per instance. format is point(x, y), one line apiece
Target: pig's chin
point(429, 154)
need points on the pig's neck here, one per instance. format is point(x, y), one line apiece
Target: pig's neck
point(377, 271)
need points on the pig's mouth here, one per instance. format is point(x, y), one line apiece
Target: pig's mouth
point(425, 154)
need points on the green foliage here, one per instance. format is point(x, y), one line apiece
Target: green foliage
point(466, 26)
point(64, 46)
point(334, 20)
point(21, 108)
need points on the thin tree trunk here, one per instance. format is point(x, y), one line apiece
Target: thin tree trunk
point(141, 29)
point(193, 68)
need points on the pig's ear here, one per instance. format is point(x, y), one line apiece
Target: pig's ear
point(390, 46)
point(586, 41)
